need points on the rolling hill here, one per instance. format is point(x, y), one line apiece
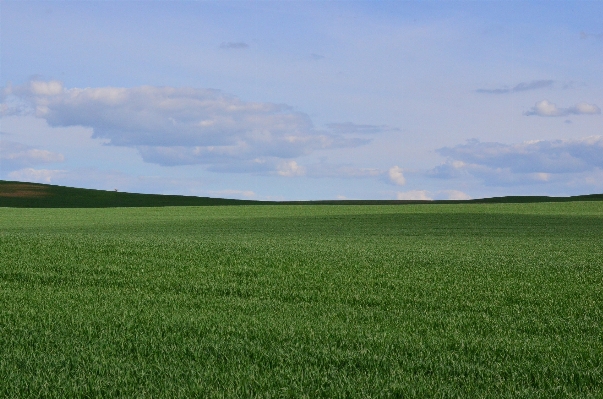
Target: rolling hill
point(35, 195)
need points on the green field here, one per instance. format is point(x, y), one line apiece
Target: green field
point(430, 300)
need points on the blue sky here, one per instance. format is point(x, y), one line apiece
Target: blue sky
point(304, 100)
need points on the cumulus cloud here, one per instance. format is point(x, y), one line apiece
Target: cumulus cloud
point(528, 162)
point(414, 195)
point(546, 108)
point(16, 156)
point(234, 45)
point(523, 86)
point(396, 176)
point(584, 108)
point(177, 126)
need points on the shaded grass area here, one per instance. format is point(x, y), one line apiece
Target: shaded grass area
point(35, 195)
point(472, 300)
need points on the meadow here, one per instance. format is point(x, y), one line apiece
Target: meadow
point(425, 300)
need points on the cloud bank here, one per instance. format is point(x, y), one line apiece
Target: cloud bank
point(530, 161)
point(184, 126)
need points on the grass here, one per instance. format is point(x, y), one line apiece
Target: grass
point(466, 300)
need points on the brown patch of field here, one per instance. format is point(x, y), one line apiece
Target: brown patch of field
point(23, 191)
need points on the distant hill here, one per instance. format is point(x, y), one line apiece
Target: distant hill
point(35, 195)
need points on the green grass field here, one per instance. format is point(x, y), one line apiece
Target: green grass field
point(465, 300)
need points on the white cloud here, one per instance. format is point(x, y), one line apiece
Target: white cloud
point(584, 108)
point(178, 126)
point(51, 88)
point(546, 108)
point(36, 175)
point(414, 195)
point(290, 169)
point(396, 176)
point(16, 156)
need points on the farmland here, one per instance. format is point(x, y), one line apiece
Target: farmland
point(423, 300)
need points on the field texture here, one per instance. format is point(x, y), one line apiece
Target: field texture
point(467, 300)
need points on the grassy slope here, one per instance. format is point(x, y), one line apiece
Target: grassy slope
point(35, 195)
point(490, 300)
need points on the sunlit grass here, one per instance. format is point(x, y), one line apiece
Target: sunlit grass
point(500, 300)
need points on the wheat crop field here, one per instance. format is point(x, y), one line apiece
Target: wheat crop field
point(334, 301)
